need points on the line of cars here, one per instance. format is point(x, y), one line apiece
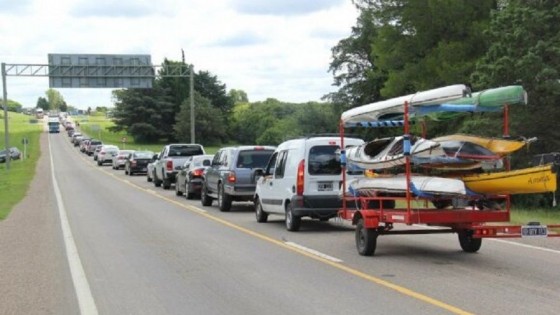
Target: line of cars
point(299, 178)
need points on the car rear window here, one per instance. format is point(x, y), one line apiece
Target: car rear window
point(185, 150)
point(253, 158)
point(324, 160)
point(143, 155)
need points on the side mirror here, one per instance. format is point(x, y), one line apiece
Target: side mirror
point(256, 174)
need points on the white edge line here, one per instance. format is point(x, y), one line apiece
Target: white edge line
point(81, 285)
point(314, 252)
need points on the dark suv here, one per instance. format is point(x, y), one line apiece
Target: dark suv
point(231, 175)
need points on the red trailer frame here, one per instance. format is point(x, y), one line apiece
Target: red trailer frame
point(470, 223)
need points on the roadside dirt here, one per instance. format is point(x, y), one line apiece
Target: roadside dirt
point(34, 272)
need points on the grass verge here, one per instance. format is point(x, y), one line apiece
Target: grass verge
point(14, 182)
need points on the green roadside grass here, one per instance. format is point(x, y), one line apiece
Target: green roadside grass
point(14, 183)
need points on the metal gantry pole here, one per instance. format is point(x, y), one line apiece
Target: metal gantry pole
point(7, 135)
point(191, 96)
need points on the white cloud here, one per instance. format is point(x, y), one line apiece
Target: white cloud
point(278, 49)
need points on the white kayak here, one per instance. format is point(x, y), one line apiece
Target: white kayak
point(388, 152)
point(438, 186)
point(395, 106)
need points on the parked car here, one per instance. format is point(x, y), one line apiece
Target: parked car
point(119, 160)
point(106, 153)
point(15, 154)
point(302, 179)
point(189, 178)
point(92, 145)
point(230, 177)
point(150, 168)
point(137, 162)
point(171, 157)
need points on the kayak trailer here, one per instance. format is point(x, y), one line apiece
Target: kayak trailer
point(473, 217)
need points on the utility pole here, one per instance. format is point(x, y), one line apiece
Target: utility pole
point(191, 94)
point(7, 135)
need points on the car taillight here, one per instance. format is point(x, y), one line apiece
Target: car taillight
point(231, 177)
point(169, 165)
point(300, 178)
point(198, 172)
point(133, 163)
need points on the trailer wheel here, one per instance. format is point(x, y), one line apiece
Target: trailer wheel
point(366, 239)
point(468, 243)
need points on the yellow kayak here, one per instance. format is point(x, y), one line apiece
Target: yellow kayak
point(538, 179)
point(501, 147)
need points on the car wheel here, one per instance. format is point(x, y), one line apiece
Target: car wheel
point(166, 183)
point(130, 173)
point(261, 216)
point(125, 171)
point(293, 222)
point(148, 178)
point(99, 163)
point(224, 200)
point(205, 200)
point(157, 182)
point(178, 191)
point(468, 243)
point(188, 193)
point(366, 239)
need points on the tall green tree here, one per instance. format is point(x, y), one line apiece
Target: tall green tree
point(54, 98)
point(43, 103)
point(146, 114)
point(525, 49)
point(209, 122)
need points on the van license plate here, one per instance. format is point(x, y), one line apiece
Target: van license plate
point(534, 231)
point(324, 186)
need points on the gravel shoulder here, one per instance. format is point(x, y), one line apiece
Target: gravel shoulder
point(34, 272)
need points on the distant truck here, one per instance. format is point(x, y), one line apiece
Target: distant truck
point(54, 125)
point(171, 158)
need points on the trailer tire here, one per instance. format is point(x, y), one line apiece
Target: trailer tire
point(366, 239)
point(468, 243)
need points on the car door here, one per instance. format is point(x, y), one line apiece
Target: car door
point(212, 173)
point(272, 190)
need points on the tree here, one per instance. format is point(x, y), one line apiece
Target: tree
point(209, 122)
point(525, 50)
point(54, 98)
point(146, 114)
point(353, 67)
point(238, 96)
point(43, 103)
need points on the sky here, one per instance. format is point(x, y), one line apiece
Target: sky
point(268, 48)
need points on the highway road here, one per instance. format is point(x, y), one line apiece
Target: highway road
point(143, 250)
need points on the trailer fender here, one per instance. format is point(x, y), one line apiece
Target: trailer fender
point(371, 219)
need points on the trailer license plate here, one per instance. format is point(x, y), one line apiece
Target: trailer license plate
point(324, 186)
point(534, 231)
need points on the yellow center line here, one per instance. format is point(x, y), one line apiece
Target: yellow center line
point(340, 266)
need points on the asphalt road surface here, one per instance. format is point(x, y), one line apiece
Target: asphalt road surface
point(144, 250)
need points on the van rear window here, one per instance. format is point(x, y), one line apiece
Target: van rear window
point(324, 160)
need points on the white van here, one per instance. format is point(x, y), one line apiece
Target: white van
point(303, 178)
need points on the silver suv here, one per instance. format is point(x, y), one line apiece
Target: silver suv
point(231, 175)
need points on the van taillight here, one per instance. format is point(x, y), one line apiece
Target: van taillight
point(231, 177)
point(300, 178)
point(169, 165)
